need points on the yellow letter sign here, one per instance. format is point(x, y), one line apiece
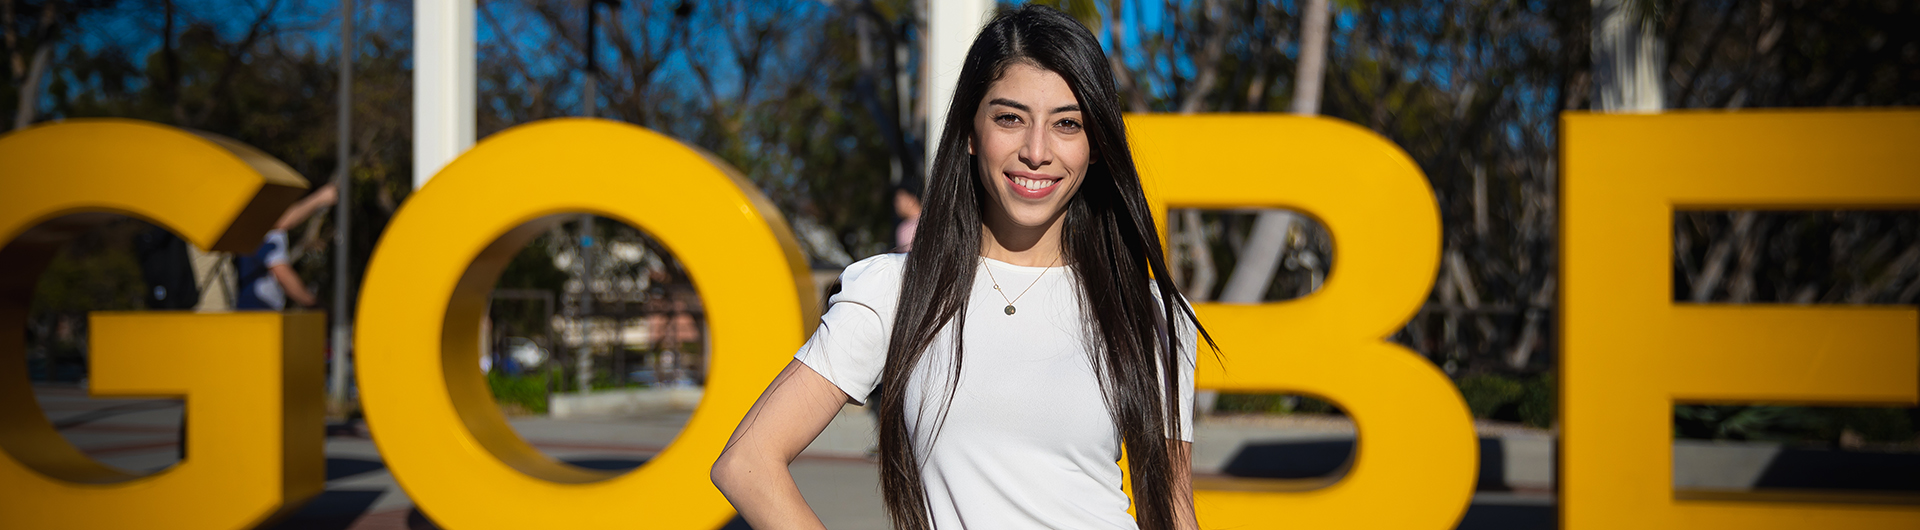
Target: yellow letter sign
point(252, 381)
point(427, 286)
point(1416, 457)
point(1630, 352)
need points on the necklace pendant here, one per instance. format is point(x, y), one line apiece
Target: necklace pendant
point(1009, 309)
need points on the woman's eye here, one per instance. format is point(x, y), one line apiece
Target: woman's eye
point(1068, 125)
point(1007, 120)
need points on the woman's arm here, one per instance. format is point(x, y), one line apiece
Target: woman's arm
point(1181, 455)
point(290, 284)
point(752, 470)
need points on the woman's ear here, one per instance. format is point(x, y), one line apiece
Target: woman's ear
point(969, 145)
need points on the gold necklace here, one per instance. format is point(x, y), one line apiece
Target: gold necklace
point(1023, 292)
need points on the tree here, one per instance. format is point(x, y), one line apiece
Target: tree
point(805, 99)
point(1254, 272)
point(29, 32)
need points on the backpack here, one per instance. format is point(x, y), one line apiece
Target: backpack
point(167, 267)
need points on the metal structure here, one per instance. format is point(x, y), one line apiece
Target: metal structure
point(342, 219)
point(590, 86)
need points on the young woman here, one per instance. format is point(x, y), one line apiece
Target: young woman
point(1025, 342)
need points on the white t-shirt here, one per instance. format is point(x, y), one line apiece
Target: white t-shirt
point(1028, 442)
point(273, 253)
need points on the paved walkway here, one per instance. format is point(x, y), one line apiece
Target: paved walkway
point(835, 476)
point(143, 436)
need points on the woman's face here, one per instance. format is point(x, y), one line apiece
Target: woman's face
point(1031, 146)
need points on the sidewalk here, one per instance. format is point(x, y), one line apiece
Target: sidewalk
point(833, 473)
point(1515, 487)
point(362, 493)
point(143, 435)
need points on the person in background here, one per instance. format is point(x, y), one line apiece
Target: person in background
point(267, 279)
point(906, 205)
point(167, 267)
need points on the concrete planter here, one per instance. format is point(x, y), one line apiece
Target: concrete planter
point(623, 402)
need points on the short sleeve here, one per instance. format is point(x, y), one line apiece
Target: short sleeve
point(274, 250)
point(1187, 342)
point(1185, 339)
point(850, 347)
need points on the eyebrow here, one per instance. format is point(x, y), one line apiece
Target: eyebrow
point(1024, 108)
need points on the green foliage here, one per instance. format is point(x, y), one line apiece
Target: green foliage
point(1315, 406)
point(263, 75)
point(811, 101)
point(1526, 399)
point(1539, 406)
point(1272, 404)
point(1249, 403)
point(532, 268)
point(97, 271)
point(804, 99)
point(1487, 393)
point(1791, 424)
point(104, 278)
point(527, 391)
point(603, 379)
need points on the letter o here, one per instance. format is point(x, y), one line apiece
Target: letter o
point(426, 287)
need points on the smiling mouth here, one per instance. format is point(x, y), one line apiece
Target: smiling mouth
point(1032, 184)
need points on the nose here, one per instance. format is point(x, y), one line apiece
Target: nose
point(1035, 153)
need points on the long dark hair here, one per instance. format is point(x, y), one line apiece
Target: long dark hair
point(1109, 241)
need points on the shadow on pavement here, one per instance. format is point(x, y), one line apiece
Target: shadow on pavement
point(419, 521)
point(1509, 517)
point(1791, 469)
point(608, 464)
point(1841, 470)
point(1291, 459)
point(339, 468)
point(332, 510)
point(1332, 458)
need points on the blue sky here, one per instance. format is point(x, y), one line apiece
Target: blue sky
point(311, 26)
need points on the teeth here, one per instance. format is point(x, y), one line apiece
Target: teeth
point(1032, 184)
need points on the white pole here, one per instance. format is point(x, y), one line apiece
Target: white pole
point(443, 87)
point(1629, 59)
point(952, 25)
